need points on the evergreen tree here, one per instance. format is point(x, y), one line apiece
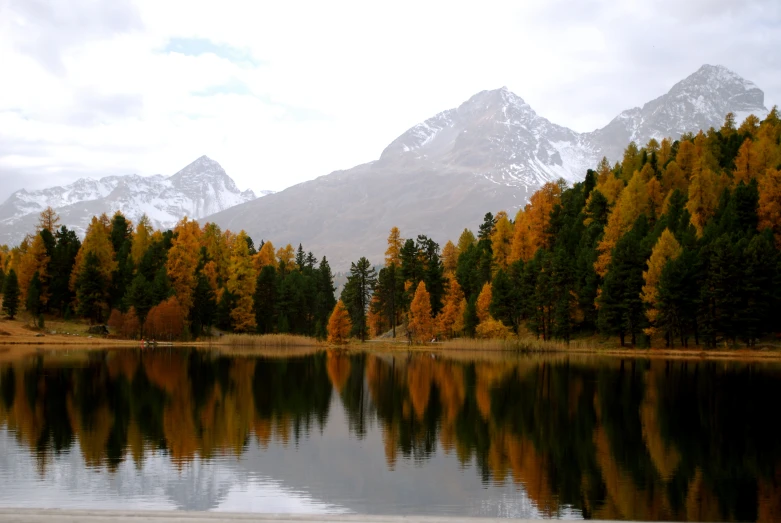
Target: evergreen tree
point(11, 294)
point(357, 293)
point(91, 289)
point(34, 304)
point(266, 300)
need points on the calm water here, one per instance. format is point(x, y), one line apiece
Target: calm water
point(514, 436)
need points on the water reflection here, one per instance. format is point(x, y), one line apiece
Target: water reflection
point(599, 438)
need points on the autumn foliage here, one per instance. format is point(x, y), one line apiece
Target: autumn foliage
point(339, 324)
point(421, 324)
point(165, 321)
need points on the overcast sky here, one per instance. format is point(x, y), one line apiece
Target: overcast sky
point(282, 92)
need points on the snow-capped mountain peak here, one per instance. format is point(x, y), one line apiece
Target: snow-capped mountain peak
point(200, 189)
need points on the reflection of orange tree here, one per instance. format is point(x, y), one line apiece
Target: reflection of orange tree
point(615, 441)
point(185, 402)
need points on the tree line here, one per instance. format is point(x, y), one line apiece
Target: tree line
point(167, 284)
point(678, 243)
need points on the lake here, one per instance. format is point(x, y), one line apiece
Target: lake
point(392, 433)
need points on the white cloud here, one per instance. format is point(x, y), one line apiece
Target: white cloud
point(283, 92)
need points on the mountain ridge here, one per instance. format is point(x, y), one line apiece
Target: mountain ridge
point(489, 153)
point(197, 190)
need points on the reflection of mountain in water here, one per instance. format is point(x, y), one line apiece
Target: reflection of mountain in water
point(393, 434)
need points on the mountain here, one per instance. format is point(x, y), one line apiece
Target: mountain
point(200, 189)
point(490, 153)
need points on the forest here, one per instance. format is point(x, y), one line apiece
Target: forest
point(676, 244)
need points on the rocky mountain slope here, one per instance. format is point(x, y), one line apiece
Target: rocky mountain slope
point(200, 189)
point(490, 153)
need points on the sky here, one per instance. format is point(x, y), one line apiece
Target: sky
point(283, 92)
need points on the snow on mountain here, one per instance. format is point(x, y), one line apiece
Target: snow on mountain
point(700, 101)
point(200, 189)
point(489, 154)
point(497, 136)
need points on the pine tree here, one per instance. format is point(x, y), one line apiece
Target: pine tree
point(620, 306)
point(339, 325)
point(506, 304)
point(11, 294)
point(91, 289)
point(357, 294)
point(266, 299)
point(421, 323)
point(34, 303)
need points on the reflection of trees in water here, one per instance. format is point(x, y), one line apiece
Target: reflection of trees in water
point(623, 440)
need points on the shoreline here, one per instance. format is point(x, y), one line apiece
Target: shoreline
point(12, 349)
point(9, 515)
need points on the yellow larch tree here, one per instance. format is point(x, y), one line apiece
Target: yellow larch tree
point(770, 203)
point(666, 248)
point(35, 259)
point(483, 305)
point(48, 219)
point(501, 241)
point(142, 239)
point(451, 317)
point(521, 248)
point(754, 157)
point(393, 252)
point(686, 158)
point(449, 258)
point(540, 206)
point(630, 205)
point(266, 256)
point(466, 239)
point(286, 256)
point(610, 188)
point(665, 152)
point(374, 319)
point(241, 283)
point(744, 166)
point(750, 125)
point(704, 193)
point(673, 178)
point(603, 170)
point(655, 197)
point(183, 261)
point(647, 172)
point(98, 242)
point(631, 161)
point(421, 324)
point(339, 324)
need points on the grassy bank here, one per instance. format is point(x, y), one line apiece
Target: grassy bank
point(265, 340)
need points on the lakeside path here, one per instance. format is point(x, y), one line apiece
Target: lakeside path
point(125, 516)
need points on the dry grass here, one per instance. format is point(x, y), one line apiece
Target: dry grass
point(267, 340)
point(522, 344)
